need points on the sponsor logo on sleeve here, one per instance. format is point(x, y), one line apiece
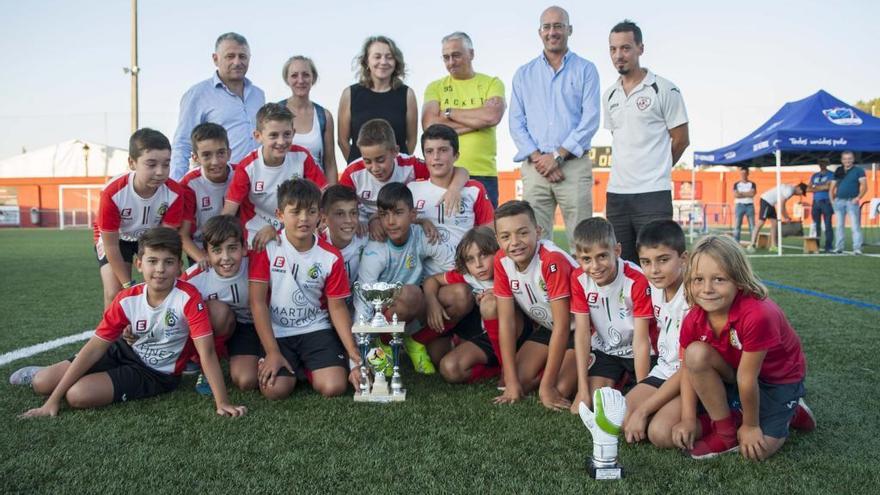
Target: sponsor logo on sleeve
point(140, 326)
point(125, 213)
point(514, 285)
point(592, 297)
point(206, 201)
point(279, 262)
point(259, 186)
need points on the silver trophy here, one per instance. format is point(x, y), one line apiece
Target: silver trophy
point(380, 295)
point(604, 426)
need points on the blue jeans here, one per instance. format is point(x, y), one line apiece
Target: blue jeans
point(743, 210)
point(491, 185)
point(842, 208)
point(822, 208)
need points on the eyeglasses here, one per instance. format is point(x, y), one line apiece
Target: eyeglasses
point(556, 25)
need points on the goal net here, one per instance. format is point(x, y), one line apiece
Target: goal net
point(78, 205)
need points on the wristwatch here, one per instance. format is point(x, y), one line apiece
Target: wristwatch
point(558, 158)
point(448, 113)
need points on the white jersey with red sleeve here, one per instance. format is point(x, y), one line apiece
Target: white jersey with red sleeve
point(162, 332)
point(204, 200)
point(351, 254)
point(232, 290)
point(300, 283)
point(477, 286)
point(122, 210)
point(474, 210)
point(669, 315)
point(356, 176)
point(254, 186)
point(613, 307)
point(546, 279)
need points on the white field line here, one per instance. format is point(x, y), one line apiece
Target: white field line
point(43, 347)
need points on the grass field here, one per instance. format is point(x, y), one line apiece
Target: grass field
point(444, 438)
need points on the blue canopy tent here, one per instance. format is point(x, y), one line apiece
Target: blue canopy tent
point(800, 133)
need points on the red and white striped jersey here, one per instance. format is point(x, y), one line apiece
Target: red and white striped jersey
point(351, 254)
point(203, 200)
point(613, 307)
point(254, 186)
point(356, 176)
point(477, 286)
point(233, 290)
point(162, 332)
point(300, 284)
point(123, 210)
point(546, 279)
point(475, 208)
point(669, 315)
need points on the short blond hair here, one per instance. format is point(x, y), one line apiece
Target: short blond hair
point(731, 258)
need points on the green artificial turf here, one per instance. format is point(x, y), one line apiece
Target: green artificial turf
point(443, 439)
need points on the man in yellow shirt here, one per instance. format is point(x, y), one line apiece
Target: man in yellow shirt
point(472, 104)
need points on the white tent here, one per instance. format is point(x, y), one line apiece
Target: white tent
point(74, 158)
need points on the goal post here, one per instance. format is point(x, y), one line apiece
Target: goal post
point(78, 205)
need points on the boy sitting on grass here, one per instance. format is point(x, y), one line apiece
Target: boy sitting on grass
point(164, 314)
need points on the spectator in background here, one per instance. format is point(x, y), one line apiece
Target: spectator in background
point(649, 126)
point(781, 193)
point(312, 123)
point(820, 185)
point(847, 189)
point(472, 104)
point(554, 113)
point(378, 94)
point(228, 98)
point(744, 193)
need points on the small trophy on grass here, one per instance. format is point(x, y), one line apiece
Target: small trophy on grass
point(604, 424)
point(380, 295)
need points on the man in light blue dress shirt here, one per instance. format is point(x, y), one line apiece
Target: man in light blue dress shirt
point(554, 113)
point(228, 98)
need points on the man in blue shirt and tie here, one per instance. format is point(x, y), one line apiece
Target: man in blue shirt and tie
point(228, 98)
point(820, 184)
point(554, 113)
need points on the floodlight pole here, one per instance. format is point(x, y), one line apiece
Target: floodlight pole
point(779, 203)
point(134, 68)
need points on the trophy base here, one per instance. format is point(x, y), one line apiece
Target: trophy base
point(380, 397)
point(605, 471)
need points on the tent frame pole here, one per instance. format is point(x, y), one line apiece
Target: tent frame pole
point(779, 203)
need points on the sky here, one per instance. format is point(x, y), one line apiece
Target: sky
point(736, 63)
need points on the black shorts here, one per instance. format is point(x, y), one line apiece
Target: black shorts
point(312, 351)
point(541, 335)
point(613, 367)
point(132, 379)
point(128, 249)
point(768, 211)
point(776, 406)
point(653, 381)
point(470, 328)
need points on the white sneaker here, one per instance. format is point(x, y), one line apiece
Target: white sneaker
point(24, 376)
point(857, 252)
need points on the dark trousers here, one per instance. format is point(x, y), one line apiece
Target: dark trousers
point(822, 208)
point(491, 185)
point(628, 213)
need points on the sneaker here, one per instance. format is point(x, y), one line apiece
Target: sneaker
point(803, 418)
point(202, 386)
point(377, 358)
point(750, 249)
point(713, 445)
point(192, 368)
point(857, 252)
point(24, 376)
point(418, 353)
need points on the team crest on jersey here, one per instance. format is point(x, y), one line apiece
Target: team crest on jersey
point(409, 262)
point(162, 209)
point(125, 213)
point(621, 298)
point(643, 102)
point(279, 262)
point(592, 297)
point(259, 186)
point(542, 284)
point(734, 339)
point(140, 326)
point(206, 202)
point(170, 318)
point(315, 271)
